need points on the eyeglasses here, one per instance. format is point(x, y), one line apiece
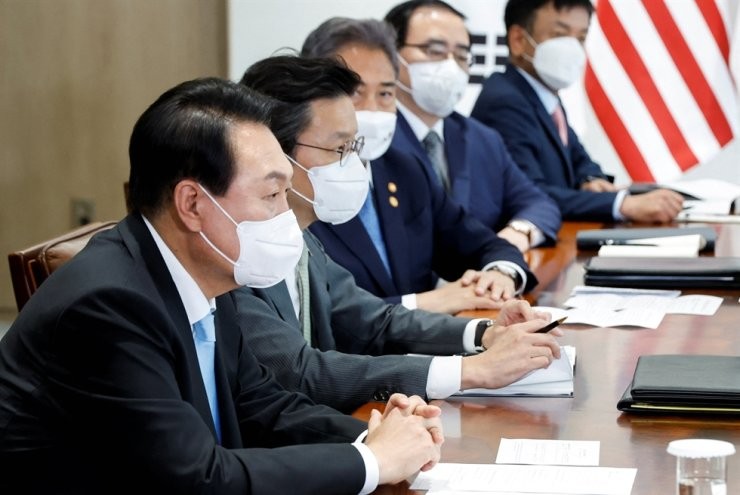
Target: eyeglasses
point(438, 50)
point(351, 146)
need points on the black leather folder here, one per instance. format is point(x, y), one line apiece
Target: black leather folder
point(672, 273)
point(595, 238)
point(680, 384)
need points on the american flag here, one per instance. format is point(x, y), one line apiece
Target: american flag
point(659, 81)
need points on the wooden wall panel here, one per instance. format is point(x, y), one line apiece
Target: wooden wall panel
point(74, 76)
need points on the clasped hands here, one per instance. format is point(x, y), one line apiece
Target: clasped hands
point(405, 438)
point(474, 290)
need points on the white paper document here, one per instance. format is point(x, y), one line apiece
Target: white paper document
point(639, 251)
point(679, 246)
point(556, 380)
point(706, 188)
point(554, 452)
point(504, 478)
point(692, 304)
point(615, 307)
point(633, 317)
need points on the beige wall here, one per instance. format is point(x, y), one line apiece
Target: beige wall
point(74, 76)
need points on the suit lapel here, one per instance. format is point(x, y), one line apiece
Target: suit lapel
point(389, 198)
point(456, 146)
point(353, 235)
point(404, 139)
point(279, 296)
point(545, 119)
point(138, 238)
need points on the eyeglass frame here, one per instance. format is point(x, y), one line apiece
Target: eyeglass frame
point(468, 59)
point(355, 146)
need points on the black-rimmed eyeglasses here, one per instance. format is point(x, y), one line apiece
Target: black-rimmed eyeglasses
point(351, 146)
point(438, 50)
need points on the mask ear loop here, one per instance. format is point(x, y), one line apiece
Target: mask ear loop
point(533, 43)
point(398, 81)
point(208, 241)
point(295, 191)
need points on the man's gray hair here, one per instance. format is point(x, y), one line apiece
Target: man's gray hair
point(335, 33)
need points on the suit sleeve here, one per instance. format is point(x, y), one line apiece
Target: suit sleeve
point(523, 199)
point(509, 115)
point(462, 242)
point(119, 373)
point(369, 335)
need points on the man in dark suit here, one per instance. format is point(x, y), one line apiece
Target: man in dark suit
point(523, 105)
point(318, 331)
point(470, 160)
point(115, 378)
point(409, 231)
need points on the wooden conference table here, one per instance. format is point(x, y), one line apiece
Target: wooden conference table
point(606, 359)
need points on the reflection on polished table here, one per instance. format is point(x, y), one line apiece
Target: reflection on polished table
point(605, 364)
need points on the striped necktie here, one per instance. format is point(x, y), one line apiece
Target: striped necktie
point(435, 149)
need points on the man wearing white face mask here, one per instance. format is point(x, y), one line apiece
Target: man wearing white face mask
point(470, 160)
point(128, 368)
point(402, 261)
point(319, 332)
point(545, 39)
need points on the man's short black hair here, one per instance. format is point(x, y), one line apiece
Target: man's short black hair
point(185, 134)
point(294, 82)
point(522, 12)
point(399, 16)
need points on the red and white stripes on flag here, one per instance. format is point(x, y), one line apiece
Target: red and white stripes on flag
point(659, 81)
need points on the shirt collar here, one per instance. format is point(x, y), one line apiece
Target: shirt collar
point(549, 100)
point(196, 304)
point(418, 127)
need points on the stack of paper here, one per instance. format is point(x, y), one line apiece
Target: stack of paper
point(681, 246)
point(531, 466)
point(554, 381)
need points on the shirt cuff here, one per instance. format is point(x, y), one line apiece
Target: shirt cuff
point(536, 237)
point(445, 376)
point(469, 335)
point(522, 275)
point(408, 301)
point(617, 205)
point(372, 470)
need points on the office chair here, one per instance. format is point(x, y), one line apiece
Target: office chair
point(31, 266)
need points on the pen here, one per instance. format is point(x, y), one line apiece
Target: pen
point(551, 325)
point(613, 242)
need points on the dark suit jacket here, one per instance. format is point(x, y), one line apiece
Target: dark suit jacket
point(508, 104)
point(101, 392)
point(483, 178)
point(357, 338)
point(426, 234)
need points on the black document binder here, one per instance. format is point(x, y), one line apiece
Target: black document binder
point(593, 239)
point(672, 273)
point(680, 384)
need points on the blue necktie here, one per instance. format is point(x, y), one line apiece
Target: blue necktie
point(204, 334)
point(369, 218)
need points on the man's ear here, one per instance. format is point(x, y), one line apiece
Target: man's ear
point(517, 41)
point(187, 200)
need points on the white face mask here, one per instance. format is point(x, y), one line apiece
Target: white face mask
point(268, 250)
point(339, 191)
point(377, 128)
point(558, 61)
point(436, 86)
